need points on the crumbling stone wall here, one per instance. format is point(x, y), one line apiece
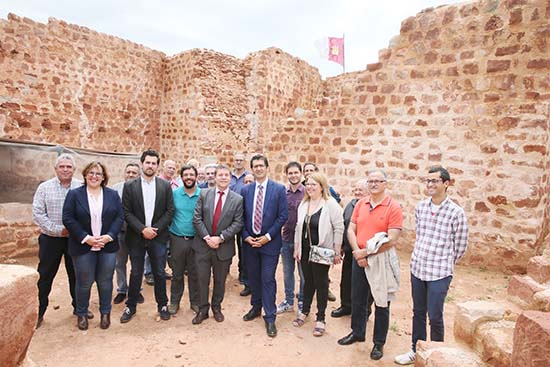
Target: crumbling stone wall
point(466, 86)
point(73, 86)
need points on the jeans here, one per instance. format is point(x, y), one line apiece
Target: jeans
point(315, 281)
point(428, 296)
point(361, 301)
point(50, 252)
point(157, 254)
point(94, 266)
point(287, 257)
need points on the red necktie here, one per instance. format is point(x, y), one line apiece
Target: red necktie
point(217, 214)
point(258, 210)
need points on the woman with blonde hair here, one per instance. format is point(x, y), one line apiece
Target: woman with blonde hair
point(317, 244)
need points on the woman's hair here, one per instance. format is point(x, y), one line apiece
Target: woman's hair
point(321, 180)
point(93, 164)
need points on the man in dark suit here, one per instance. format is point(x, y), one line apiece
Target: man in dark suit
point(218, 217)
point(265, 212)
point(148, 207)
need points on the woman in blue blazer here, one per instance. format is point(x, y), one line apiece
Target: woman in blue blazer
point(93, 215)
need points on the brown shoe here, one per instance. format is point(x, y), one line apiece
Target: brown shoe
point(200, 317)
point(82, 322)
point(218, 315)
point(105, 321)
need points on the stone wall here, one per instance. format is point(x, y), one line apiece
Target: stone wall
point(73, 86)
point(466, 86)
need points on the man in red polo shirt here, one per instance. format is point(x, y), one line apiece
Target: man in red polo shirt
point(373, 214)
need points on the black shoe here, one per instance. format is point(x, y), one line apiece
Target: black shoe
point(218, 315)
point(245, 292)
point(350, 339)
point(127, 315)
point(39, 321)
point(199, 317)
point(252, 314)
point(90, 314)
point(119, 298)
point(164, 313)
point(105, 321)
point(377, 352)
point(82, 323)
point(271, 329)
point(149, 279)
point(340, 311)
point(140, 299)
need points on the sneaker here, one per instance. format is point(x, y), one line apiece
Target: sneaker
point(164, 314)
point(140, 299)
point(284, 307)
point(149, 279)
point(127, 315)
point(173, 308)
point(406, 358)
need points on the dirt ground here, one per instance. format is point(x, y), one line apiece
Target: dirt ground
point(144, 341)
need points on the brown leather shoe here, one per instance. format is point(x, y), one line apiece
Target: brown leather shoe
point(105, 321)
point(200, 317)
point(82, 322)
point(218, 315)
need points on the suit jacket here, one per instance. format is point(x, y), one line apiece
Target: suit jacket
point(132, 202)
point(76, 218)
point(274, 215)
point(230, 222)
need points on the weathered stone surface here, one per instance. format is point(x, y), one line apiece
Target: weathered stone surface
point(493, 341)
point(541, 300)
point(538, 268)
point(19, 305)
point(434, 354)
point(469, 315)
point(532, 340)
point(522, 288)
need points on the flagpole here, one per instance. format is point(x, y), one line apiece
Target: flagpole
point(343, 53)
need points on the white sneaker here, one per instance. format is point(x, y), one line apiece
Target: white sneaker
point(284, 307)
point(406, 358)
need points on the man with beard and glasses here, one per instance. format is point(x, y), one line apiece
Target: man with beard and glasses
point(182, 234)
point(148, 207)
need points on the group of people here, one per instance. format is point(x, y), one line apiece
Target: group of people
point(197, 219)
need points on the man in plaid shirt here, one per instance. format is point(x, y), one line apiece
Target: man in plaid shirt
point(441, 239)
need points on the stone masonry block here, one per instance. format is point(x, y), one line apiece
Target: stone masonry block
point(532, 340)
point(18, 297)
point(471, 314)
point(538, 268)
point(522, 288)
point(493, 341)
point(436, 354)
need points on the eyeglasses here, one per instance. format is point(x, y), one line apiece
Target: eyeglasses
point(433, 181)
point(96, 174)
point(375, 182)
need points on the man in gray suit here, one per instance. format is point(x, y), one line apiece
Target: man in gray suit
point(218, 217)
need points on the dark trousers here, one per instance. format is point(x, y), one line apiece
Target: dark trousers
point(345, 281)
point(50, 252)
point(315, 281)
point(157, 254)
point(261, 280)
point(182, 258)
point(243, 275)
point(361, 301)
point(207, 263)
point(428, 297)
point(98, 267)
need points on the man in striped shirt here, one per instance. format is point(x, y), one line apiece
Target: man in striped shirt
point(441, 240)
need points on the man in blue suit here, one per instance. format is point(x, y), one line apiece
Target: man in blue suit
point(265, 212)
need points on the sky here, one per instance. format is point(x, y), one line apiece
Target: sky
point(238, 27)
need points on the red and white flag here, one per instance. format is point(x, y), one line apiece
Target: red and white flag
point(336, 49)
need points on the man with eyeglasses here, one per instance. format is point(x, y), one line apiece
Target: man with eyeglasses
point(376, 220)
point(441, 240)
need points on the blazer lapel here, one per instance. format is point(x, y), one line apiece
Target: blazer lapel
point(211, 205)
point(82, 200)
point(139, 196)
point(227, 206)
point(107, 202)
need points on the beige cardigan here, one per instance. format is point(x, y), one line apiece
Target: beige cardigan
point(331, 225)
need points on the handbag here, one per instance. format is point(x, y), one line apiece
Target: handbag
point(318, 254)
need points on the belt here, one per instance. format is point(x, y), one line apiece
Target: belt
point(188, 237)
